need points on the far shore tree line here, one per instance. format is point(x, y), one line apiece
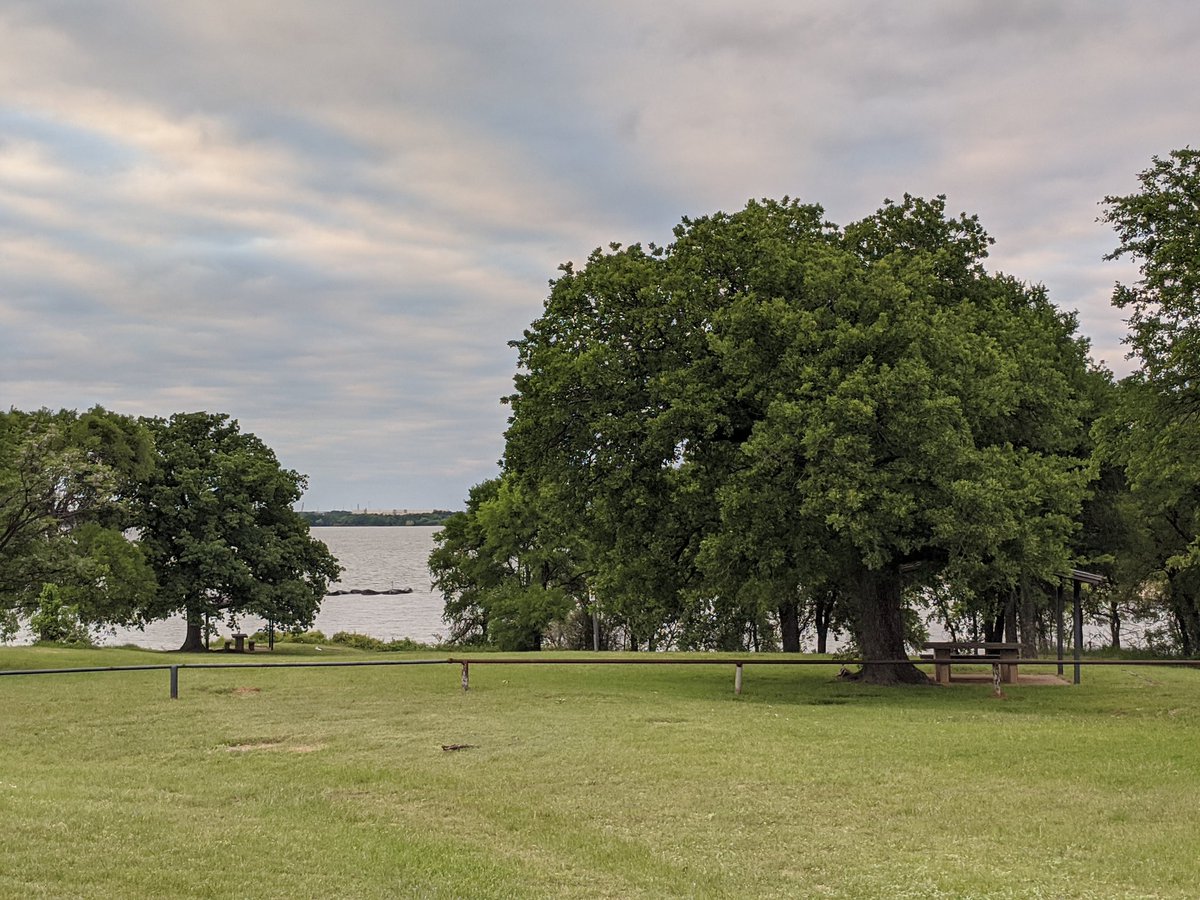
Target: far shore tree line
point(776, 425)
point(110, 520)
point(359, 518)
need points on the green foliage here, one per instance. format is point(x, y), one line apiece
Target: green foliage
point(310, 636)
point(366, 642)
point(1153, 435)
point(218, 527)
point(1159, 227)
point(772, 407)
point(344, 639)
point(65, 485)
point(57, 621)
point(503, 579)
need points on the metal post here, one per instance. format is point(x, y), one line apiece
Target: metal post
point(174, 682)
point(466, 678)
point(737, 681)
point(1059, 608)
point(595, 624)
point(1078, 623)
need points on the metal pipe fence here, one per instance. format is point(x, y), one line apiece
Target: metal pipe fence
point(466, 662)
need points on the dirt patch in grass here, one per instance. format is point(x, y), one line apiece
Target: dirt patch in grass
point(278, 746)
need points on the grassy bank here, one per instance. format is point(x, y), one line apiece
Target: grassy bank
point(615, 781)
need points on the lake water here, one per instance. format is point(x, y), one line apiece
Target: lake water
point(379, 558)
point(376, 558)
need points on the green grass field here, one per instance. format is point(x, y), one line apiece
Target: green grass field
point(590, 781)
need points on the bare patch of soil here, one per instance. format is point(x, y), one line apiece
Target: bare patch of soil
point(256, 745)
point(278, 746)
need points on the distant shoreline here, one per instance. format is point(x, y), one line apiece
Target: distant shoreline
point(342, 517)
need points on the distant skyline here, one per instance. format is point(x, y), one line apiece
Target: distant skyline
point(329, 220)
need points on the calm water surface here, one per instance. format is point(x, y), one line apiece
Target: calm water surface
point(376, 557)
point(392, 557)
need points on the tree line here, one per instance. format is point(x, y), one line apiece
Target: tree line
point(775, 425)
point(368, 519)
point(106, 519)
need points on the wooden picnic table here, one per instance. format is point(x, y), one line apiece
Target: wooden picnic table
point(947, 652)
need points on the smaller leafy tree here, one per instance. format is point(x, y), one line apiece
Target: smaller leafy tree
point(218, 528)
point(502, 584)
point(55, 620)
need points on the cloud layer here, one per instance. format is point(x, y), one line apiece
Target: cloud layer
point(328, 220)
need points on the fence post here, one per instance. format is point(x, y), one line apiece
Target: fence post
point(466, 678)
point(737, 681)
point(1077, 622)
point(174, 682)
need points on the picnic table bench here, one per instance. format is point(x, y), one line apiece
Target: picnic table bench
point(996, 652)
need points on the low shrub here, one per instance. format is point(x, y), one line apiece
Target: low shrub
point(366, 642)
point(345, 639)
point(292, 637)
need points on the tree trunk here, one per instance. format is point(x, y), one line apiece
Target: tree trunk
point(1189, 621)
point(824, 613)
point(1010, 617)
point(1114, 624)
point(1185, 645)
point(1186, 614)
point(194, 642)
point(994, 628)
point(1028, 620)
point(789, 626)
point(881, 631)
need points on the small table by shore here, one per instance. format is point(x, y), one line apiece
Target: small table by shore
point(995, 652)
point(239, 643)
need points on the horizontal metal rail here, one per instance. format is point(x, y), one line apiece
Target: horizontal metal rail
point(244, 665)
point(639, 660)
point(771, 661)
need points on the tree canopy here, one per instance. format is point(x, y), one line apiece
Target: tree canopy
point(1159, 228)
point(772, 407)
point(66, 481)
point(108, 520)
point(503, 578)
point(1153, 434)
point(217, 525)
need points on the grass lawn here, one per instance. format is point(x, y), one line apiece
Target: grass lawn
point(589, 781)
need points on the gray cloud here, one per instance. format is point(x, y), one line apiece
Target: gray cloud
point(328, 220)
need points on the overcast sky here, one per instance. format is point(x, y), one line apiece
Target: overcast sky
point(328, 219)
